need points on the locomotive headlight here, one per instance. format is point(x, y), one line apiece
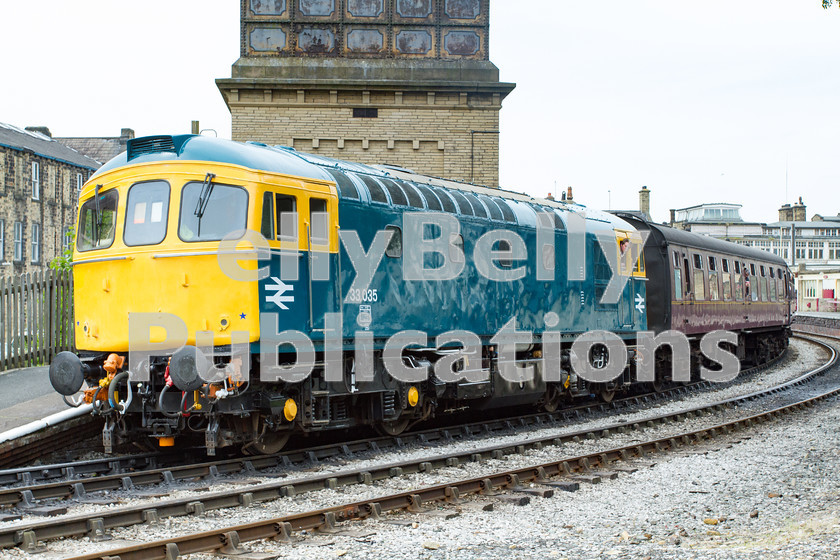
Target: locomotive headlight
point(413, 396)
point(290, 409)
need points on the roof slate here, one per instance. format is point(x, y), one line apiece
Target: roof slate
point(101, 149)
point(19, 139)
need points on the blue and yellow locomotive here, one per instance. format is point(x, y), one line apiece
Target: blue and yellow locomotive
point(157, 228)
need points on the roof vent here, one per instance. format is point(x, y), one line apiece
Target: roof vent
point(149, 145)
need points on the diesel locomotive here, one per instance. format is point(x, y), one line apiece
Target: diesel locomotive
point(347, 258)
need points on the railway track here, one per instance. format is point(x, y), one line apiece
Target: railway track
point(27, 486)
point(97, 524)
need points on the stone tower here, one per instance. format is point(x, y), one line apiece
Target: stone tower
point(401, 82)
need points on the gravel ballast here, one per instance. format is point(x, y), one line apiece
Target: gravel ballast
point(658, 511)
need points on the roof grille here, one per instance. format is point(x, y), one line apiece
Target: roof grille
point(150, 145)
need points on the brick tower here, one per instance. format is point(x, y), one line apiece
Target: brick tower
point(400, 82)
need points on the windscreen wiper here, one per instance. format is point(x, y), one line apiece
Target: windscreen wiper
point(97, 214)
point(204, 199)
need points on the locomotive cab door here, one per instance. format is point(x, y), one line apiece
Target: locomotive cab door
point(301, 227)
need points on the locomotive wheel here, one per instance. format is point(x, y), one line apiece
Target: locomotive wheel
point(658, 385)
point(393, 427)
point(607, 395)
point(553, 398)
point(267, 444)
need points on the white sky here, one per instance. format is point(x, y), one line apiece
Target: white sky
point(701, 102)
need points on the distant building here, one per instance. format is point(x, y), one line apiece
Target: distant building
point(818, 290)
point(101, 149)
point(719, 219)
point(805, 245)
point(40, 180)
point(810, 248)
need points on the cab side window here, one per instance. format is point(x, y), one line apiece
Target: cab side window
point(319, 222)
point(287, 218)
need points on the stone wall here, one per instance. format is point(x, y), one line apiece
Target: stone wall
point(448, 135)
point(817, 325)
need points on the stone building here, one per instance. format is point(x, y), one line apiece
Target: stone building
point(40, 180)
point(805, 245)
point(401, 82)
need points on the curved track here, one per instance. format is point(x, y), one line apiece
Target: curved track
point(98, 523)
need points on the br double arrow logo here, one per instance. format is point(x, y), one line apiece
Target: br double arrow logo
point(279, 288)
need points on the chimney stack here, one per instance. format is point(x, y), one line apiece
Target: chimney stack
point(785, 213)
point(644, 202)
point(799, 212)
point(569, 194)
point(40, 129)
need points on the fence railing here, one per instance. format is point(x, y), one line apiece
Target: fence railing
point(36, 318)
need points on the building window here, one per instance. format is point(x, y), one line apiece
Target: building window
point(809, 288)
point(36, 180)
point(36, 243)
point(365, 113)
point(2, 241)
point(67, 244)
point(79, 182)
point(18, 241)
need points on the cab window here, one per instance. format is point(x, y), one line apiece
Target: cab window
point(286, 211)
point(147, 210)
point(210, 211)
point(97, 222)
point(319, 228)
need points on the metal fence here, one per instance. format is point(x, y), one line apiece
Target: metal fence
point(36, 318)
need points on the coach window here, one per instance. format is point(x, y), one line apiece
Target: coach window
point(714, 290)
point(739, 282)
point(319, 222)
point(699, 283)
point(752, 288)
point(97, 222)
point(678, 294)
point(726, 279)
point(394, 248)
point(210, 211)
point(286, 215)
point(147, 210)
point(763, 283)
point(772, 282)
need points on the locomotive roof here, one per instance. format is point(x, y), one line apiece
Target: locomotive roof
point(288, 161)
